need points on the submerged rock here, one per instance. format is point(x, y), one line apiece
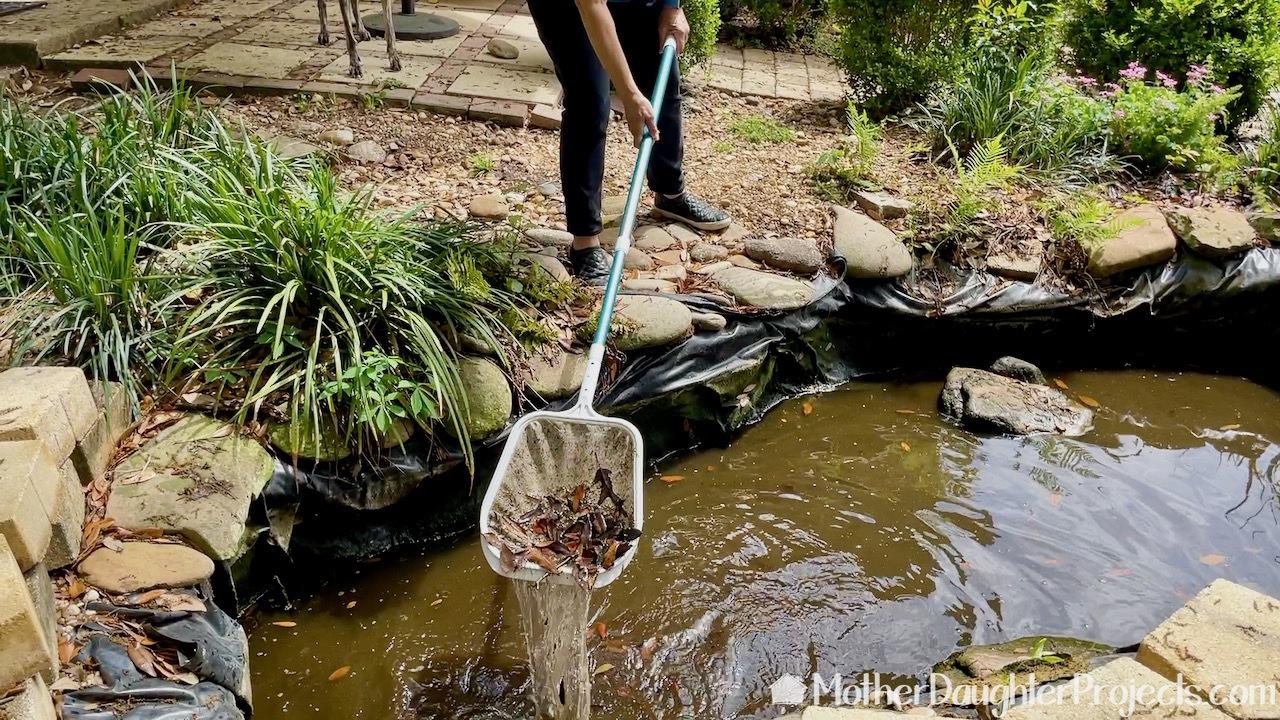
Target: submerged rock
point(195, 478)
point(1050, 658)
point(1214, 233)
point(985, 400)
point(797, 256)
point(1018, 369)
point(762, 289)
point(298, 438)
point(1144, 239)
point(144, 566)
point(870, 250)
point(488, 398)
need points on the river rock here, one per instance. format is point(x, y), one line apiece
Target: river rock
point(1016, 265)
point(1214, 233)
point(337, 136)
point(870, 250)
point(710, 322)
point(985, 400)
point(762, 289)
point(1267, 225)
point(649, 285)
point(503, 49)
point(713, 268)
point(556, 377)
point(298, 438)
point(663, 258)
point(674, 273)
point(732, 237)
point(995, 662)
point(549, 237)
point(707, 252)
point(144, 566)
point(611, 208)
point(651, 238)
point(797, 256)
point(743, 261)
point(682, 234)
point(367, 151)
point(488, 398)
point(552, 266)
point(1012, 367)
point(195, 478)
point(489, 207)
point(882, 206)
point(650, 321)
point(637, 259)
point(1145, 238)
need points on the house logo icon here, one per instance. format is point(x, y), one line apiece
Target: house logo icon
point(787, 690)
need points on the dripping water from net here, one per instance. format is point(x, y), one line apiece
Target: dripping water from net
point(554, 616)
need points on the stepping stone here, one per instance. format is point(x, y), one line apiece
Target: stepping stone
point(488, 398)
point(652, 238)
point(797, 256)
point(1213, 233)
point(489, 207)
point(195, 478)
point(549, 236)
point(870, 250)
point(636, 259)
point(1092, 699)
point(1015, 266)
point(762, 289)
point(683, 234)
point(1228, 636)
point(557, 377)
point(1145, 239)
point(882, 206)
point(144, 566)
point(710, 322)
point(646, 321)
point(367, 151)
point(649, 285)
point(708, 252)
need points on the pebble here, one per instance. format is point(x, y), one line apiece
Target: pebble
point(502, 49)
point(637, 260)
point(712, 322)
point(708, 252)
point(337, 136)
point(489, 207)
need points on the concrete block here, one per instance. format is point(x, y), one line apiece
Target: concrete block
point(846, 713)
point(28, 494)
point(1227, 636)
point(24, 650)
point(49, 404)
point(66, 521)
point(33, 703)
point(40, 588)
point(1106, 693)
point(93, 451)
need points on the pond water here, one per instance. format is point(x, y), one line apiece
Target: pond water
point(847, 532)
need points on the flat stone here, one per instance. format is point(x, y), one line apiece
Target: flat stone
point(985, 400)
point(376, 72)
point(1016, 266)
point(1145, 238)
point(743, 261)
point(668, 257)
point(647, 321)
point(637, 259)
point(710, 322)
point(1213, 233)
point(882, 206)
point(40, 588)
point(489, 399)
point(549, 236)
point(52, 405)
point(29, 482)
point(485, 80)
point(547, 117)
point(763, 290)
point(67, 519)
point(145, 566)
point(870, 250)
point(652, 238)
point(713, 268)
point(24, 649)
point(1090, 698)
point(799, 256)
point(301, 438)
point(195, 478)
point(649, 285)
point(1012, 367)
point(707, 252)
point(1267, 225)
point(367, 151)
point(551, 266)
point(555, 377)
point(683, 234)
point(337, 136)
point(732, 237)
point(504, 49)
point(248, 60)
point(674, 273)
point(33, 702)
point(489, 207)
point(1228, 635)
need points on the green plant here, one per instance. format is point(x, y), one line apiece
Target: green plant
point(986, 168)
point(704, 29)
point(1237, 40)
point(1263, 160)
point(480, 163)
point(722, 146)
point(778, 22)
point(839, 170)
point(380, 394)
point(759, 129)
point(1163, 126)
point(1087, 220)
point(1040, 653)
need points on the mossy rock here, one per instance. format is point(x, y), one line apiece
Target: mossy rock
point(297, 438)
point(993, 664)
point(397, 435)
point(488, 398)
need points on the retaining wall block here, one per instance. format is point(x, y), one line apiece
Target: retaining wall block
point(50, 404)
point(93, 452)
point(28, 493)
point(33, 703)
point(67, 519)
point(40, 588)
point(24, 650)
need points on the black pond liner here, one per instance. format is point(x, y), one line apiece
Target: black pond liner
point(1188, 313)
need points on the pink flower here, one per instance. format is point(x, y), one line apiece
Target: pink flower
point(1166, 80)
point(1213, 117)
point(1217, 89)
point(1086, 81)
point(1196, 73)
point(1120, 113)
point(1111, 89)
point(1134, 71)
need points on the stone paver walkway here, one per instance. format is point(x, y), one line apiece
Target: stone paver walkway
point(269, 46)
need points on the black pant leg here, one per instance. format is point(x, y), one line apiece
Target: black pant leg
point(638, 32)
point(585, 119)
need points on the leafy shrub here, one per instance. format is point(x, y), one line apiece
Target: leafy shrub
point(778, 21)
point(1163, 126)
point(1264, 159)
point(704, 28)
point(759, 129)
point(1238, 39)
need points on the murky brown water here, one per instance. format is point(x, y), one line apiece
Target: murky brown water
point(849, 531)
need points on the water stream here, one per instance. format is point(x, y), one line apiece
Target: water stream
point(847, 532)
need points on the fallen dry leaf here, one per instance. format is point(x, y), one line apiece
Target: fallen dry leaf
point(436, 602)
point(905, 446)
point(1090, 401)
point(66, 650)
point(1062, 384)
point(148, 596)
point(351, 604)
point(64, 684)
point(1213, 559)
point(285, 623)
point(1055, 499)
point(807, 408)
point(76, 587)
point(603, 669)
point(340, 673)
point(142, 658)
point(601, 630)
point(671, 478)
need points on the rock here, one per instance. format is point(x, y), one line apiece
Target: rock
point(646, 321)
point(994, 663)
point(29, 700)
point(651, 238)
point(549, 189)
point(1267, 225)
point(40, 589)
point(1016, 266)
point(1226, 636)
point(488, 398)
point(1105, 694)
point(743, 261)
point(1144, 239)
point(649, 285)
point(683, 234)
point(711, 322)
point(503, 49)
point(1012, 367)
point(870, 250)
point(397, 434)
point(668, 257)
point(819, 712)
point(552, 266)
point(796, 256)
point(637, 260)
point(732, 236)
point(674, 273)
point(144, 566)
point(556, 377)
point(299, 438)
point(985, 400)
point(30, 483)
point(1214, 233)
point(476, 346)
point(611, 208)
point(195, 478)
point(513, 198)
point(707, 252)
point(367, 151)
point(763, 290)
point(24, 649)
point(337, 136)
point(713, 268)
point(287, 147)
point(489, 207)
point(549, 236)
point(882, 206)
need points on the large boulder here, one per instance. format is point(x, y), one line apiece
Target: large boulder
point(1144, 239)
point(195, 478)
point(1214, 233)
point(985, 400)
point(870, 250)
point(798, 256)
point(488, 397)
point(762, 289)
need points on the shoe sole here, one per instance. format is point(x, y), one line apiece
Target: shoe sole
point(704, 226)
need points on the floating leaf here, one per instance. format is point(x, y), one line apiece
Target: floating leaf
point(285, 623)
point(601, 631)
point(1062, 384)
point(603, 669)
point(436, 602)
point(905, 412)
point(1232, 426)
point(807, 408)
point(340, 673)
point(905, 446)
point(351, 604)
point(1120, 572)
point(1090, 401)
point(671, 478)
point(1213, 559)
point(1055, 499)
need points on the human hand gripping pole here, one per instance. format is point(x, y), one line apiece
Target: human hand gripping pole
point(551, 453)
